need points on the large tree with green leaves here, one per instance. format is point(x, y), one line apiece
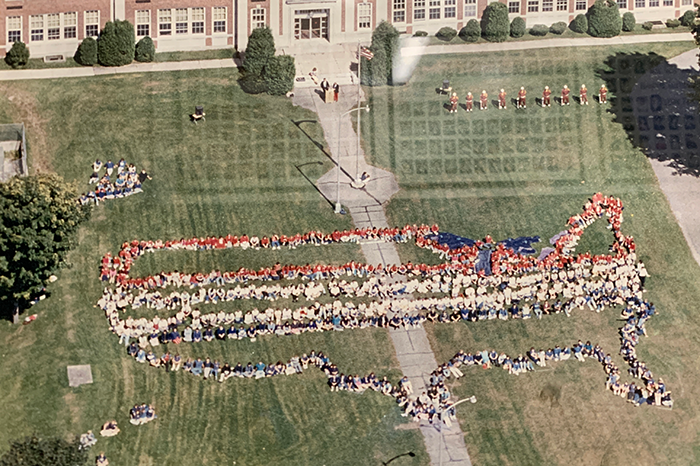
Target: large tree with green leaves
point(34, 451)
point(39, 216)
point(262, 70)
point(378, 70)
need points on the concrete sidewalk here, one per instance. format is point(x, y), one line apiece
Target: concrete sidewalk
point(88, 71)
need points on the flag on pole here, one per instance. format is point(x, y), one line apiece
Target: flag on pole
point(367, 53)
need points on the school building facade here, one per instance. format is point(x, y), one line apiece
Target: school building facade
point(56, 27)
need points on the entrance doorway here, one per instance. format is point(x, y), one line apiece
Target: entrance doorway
point(311, 24)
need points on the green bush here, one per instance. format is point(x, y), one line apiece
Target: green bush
point(145, 50)
point(420, 34)
point(517, 27)
point(579, 24)
point(672, 23)
point(495, 25)
point(260, 50)
point(628, 22)
point(471, 32)
point(33, 451)
point(86, 54)
point(648, 25)
point(385, 36)
point(116, 44)
point(374, 71)
point(18, 56)
point(539, 30)
point(604, 19)
point(279, 75)
point(252, 83)
point(558, 28)
point(688, 18)
point(446, 34)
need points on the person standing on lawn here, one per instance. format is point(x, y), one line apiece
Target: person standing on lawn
point(565, 95)
point(502, 99)
point(522, 94)
point(547, 97)
point(484, 101)
point(470, 102)
point(583, 95)
point(603, 94)
point(453, 103)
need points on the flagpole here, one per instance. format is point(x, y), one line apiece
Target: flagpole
point(359, 91)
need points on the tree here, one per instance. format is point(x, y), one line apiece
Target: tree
point(471, 32)
point(279, 75)
point(604, 19)
point(385, 36)
point(18, 56)
point(628, 22)
point(115, 45)
point(374, 71)
point(86, 54)
point(34, 451)
point(517, 27)
point(145, 50)
point(262, 71)
point(579, 24)
point(495, 26)
point(688, 18)
point(39, 216)
point(260, 50)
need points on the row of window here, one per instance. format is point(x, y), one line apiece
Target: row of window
point(53, 26)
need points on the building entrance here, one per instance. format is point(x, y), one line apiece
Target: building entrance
point(311, 24)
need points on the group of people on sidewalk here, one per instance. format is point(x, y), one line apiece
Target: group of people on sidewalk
point(521, 101)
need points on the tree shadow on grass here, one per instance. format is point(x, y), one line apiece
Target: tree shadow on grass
point(653, 101)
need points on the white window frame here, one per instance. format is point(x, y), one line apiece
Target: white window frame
point(364, 15)
point(450, 9)
point(198, 20)
point(547, 5)
point(470, 8)
point(13, 26)
point(165, 22)
point(219, 22)
point(686, 2)
point(533, 6)
point(69, 21)
point(53, 26)
point(143, 23)
point(513, 6)
point(563, 5)
point(654, 3)
point(419, 10)
point(581, 5)
point(399, 11)
point(92, 24)
point(258, 18)
point(182, 21)
point(37, 28)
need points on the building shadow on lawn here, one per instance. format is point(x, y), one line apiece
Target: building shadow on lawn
point(654, 102)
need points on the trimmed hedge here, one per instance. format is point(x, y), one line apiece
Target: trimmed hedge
point(18, 56)
point(420, 34)
point(673, 23)
point(145, 50)
point(688, 18)
point(116, 44)
point(558, 28)
point(471, 32)
point(260, 50)
point(446, 34)
point(539, 30)
point(648, 25)
point(579, 24)
point(604, 19)
point(628, 22)
point(517, 27)
point(495, 25)
point(86, 54)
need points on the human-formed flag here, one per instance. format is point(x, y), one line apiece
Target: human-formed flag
point(367, 53)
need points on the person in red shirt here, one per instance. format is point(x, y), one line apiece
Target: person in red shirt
point(521, 98)
point(484, 101)
point(453, 103)
point(502, 99)
point(603, 94)
point(470, 102)
point(546, 97)
point(583, 95)
point(565, 95)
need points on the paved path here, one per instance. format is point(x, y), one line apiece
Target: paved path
point(366, 207)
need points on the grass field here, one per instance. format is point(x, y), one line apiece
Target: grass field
point(524, 172)
point(238, 172)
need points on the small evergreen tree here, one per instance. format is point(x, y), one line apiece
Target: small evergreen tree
point(558, 28)
point(18, 56)
point(385, 36)
point(279, 75)
point(688, 18)
point(374, 71)
point(86, 54)
point(145, 50)
point(116, 44)
point(260, 50)
point(604, 19)
point(34, 451)
point(446, 34)
point(628, 22)
point(517, 27)
point(539, 30)
point(471, 32)
point(579, 24)
point(495, 26)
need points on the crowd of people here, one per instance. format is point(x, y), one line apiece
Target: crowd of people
point(124, 183)
point(520, 287)
point(142, 414)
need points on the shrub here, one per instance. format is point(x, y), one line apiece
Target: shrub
point(628, 22)
point(145, 50)
point(672, 23)
point(579, 24)
point(260, 49)
point(446, 34)
point(86, 54)
point(495, 26)
point(116, 44)
point(604, 19)
point(558, 28)
point(386, 36)
point(251, 83)
point(648, 25)
point(374, 71)
point(517, 27)
point(471, 32)
point(688, 18)
point(54, 451)
point(420, 34)
point(279, 75)
point(18, 56)
point(539, 30)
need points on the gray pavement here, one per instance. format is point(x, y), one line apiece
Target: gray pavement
point(412, 347)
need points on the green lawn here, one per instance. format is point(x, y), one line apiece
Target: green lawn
point(238, 172)
point(515, 173)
